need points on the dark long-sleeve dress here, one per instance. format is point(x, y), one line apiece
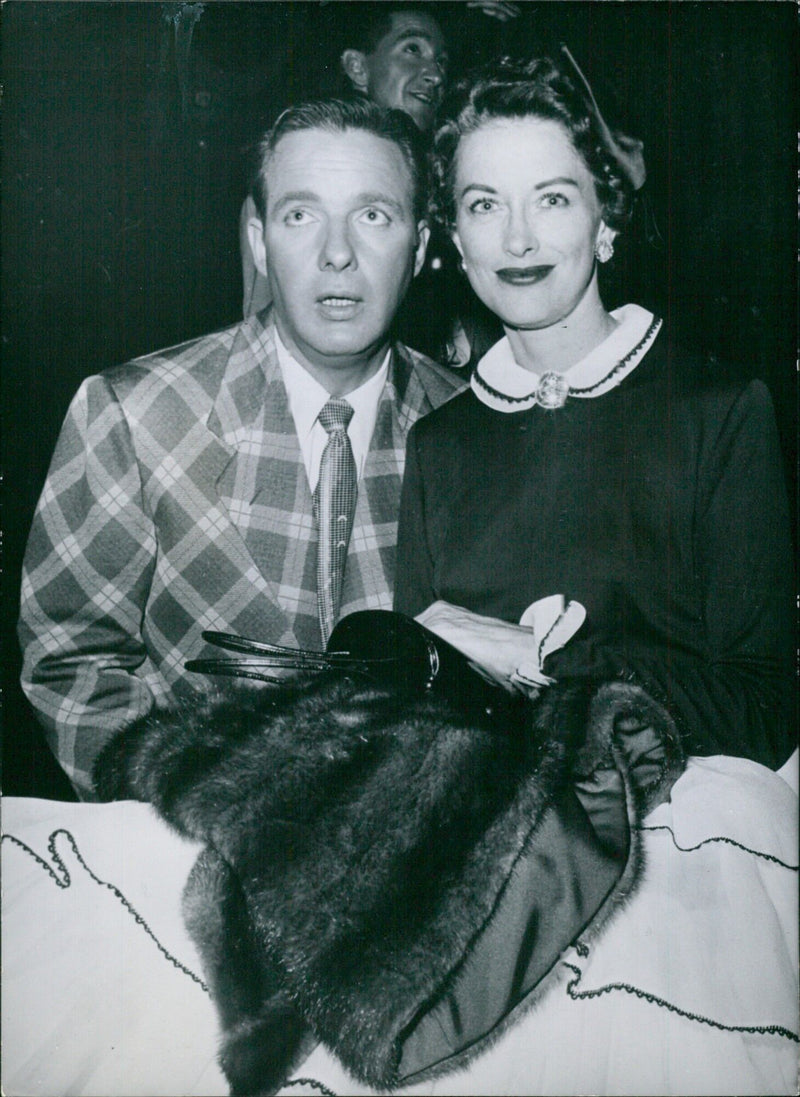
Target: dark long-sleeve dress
point(660, 506)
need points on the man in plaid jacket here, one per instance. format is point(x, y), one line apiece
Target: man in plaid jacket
point(179, 498)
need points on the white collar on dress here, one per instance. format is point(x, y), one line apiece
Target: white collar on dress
point(502, 384)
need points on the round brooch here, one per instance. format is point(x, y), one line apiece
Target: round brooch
point(553, 390)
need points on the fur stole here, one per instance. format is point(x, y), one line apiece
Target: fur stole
point(360, 845)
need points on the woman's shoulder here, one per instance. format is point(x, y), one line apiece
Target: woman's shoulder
point(707, 413)
point(700, 382)
point(455, 418)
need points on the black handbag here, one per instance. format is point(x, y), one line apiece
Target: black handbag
point(387, 648)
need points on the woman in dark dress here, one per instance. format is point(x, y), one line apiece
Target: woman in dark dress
point(594, 460)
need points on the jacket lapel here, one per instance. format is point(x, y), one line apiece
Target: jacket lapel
point(259, 476)
point(261, 481)
point(369, 581)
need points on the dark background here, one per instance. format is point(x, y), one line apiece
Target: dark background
point(125, 159)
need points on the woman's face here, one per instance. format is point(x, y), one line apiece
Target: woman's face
point(527, 220)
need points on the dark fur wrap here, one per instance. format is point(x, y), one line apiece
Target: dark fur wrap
point(359, 842)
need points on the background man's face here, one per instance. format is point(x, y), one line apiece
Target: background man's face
point(341, 244)
point(407, 68)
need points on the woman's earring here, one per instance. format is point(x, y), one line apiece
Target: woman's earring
point(463, 266)
point(603, 250)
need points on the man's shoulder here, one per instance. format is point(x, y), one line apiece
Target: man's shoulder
point(198, 365)
point(438, 383)
point(204, 354)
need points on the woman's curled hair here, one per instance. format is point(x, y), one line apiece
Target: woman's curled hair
point(541, 88)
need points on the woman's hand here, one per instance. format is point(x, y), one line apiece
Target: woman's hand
point(496, 647)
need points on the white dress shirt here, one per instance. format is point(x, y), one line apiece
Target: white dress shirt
point(307, 397)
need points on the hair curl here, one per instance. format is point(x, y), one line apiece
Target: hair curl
point(541, 88)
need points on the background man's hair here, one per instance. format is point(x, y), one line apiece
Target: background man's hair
point(339, 116)
point(367, 23)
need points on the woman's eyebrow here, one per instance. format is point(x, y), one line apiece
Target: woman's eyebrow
point(562, 179)
point(477, 186)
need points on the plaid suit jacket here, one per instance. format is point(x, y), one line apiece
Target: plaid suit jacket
point(177, 501)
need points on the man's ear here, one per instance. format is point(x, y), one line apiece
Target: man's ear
point(423, 236)
point(354, 63)
point(255, 237)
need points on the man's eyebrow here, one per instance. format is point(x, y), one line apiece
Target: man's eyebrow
point(410, 32)
point(378, 198)
point(365, 198)
point(294, 196)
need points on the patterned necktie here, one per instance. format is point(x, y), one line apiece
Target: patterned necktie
point(334, 506)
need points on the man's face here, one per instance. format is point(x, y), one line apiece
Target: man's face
point(408, 67)
point(340, 246)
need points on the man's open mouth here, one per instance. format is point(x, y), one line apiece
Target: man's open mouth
point(334, 306)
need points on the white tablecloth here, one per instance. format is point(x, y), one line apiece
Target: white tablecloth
point(102, 989)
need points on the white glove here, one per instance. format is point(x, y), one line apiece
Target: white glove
point(553, 623)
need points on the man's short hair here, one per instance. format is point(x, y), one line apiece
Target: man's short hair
point(339, 116)
point(368, 23)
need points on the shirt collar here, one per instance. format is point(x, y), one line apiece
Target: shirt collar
point(307, 397)
point(501, 383)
